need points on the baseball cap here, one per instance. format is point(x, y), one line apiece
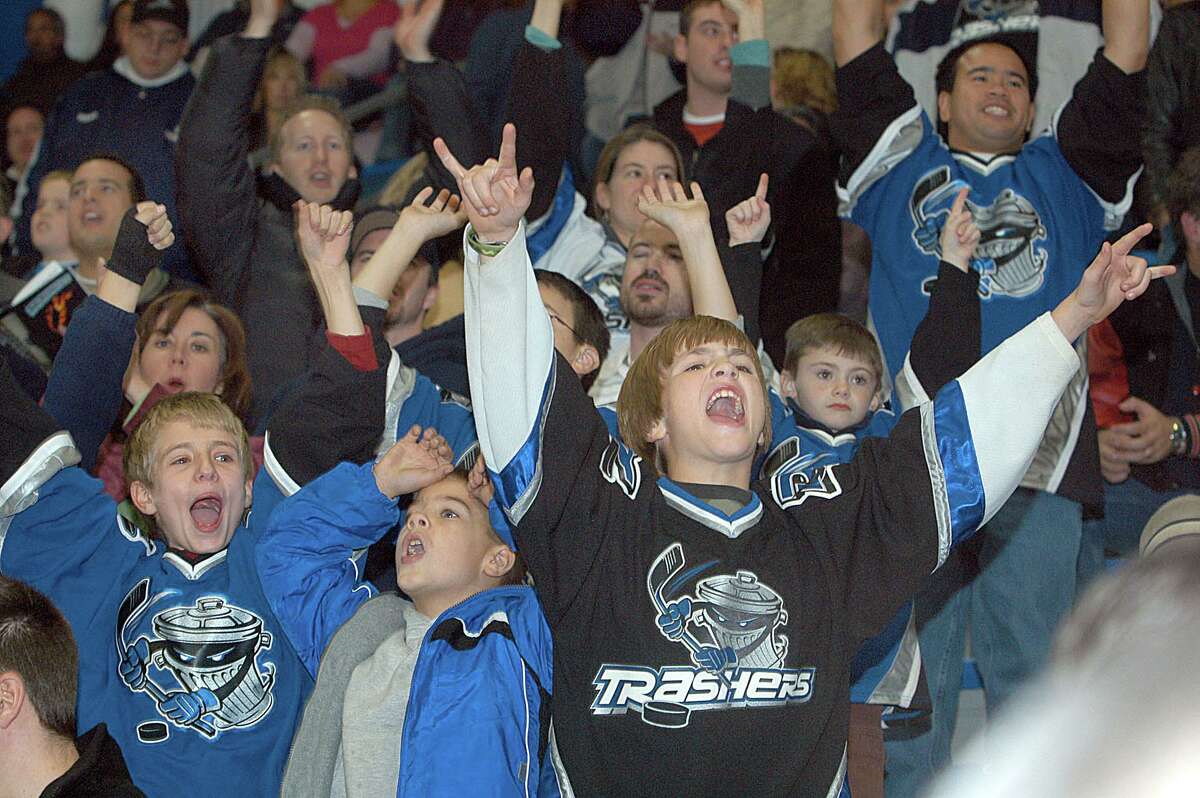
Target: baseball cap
point(383, 217)
point(1176, 520)
point(173, 11)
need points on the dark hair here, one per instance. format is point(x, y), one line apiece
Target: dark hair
point(689, 8)
point(235, 374)
point(36, 643)
point(588, 324)
point(612, 152)
point(59, 27)
point(137, 186)
point(1183, 186)
point(947, 68)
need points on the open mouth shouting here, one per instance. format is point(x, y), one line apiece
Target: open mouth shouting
point(726, 405)
point(412, 548)
point(206, 512)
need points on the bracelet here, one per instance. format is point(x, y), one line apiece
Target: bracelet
point(488, 249)
point(1180, 438)
point(1191, 435)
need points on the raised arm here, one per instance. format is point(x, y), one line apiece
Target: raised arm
point(85, 388)
point(857, 27)
point(751, 56)
point(215, 184)
point(1126, 33)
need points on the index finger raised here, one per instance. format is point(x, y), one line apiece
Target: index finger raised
point(447, 158)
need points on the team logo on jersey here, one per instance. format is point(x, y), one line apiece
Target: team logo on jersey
point(209, 652)
point(605, 288)
point(796, 475)
point(1008, 259)
point(730, 629)
point(996, 10)
point(620, 466)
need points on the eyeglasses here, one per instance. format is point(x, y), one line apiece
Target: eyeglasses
point(555, 317)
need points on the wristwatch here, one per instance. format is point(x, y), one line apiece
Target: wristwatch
point(1179, 438)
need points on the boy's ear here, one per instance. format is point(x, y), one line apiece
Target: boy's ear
point(787, 385)
point(586, 360)
point(500, 561)
point(139, 493)
point(12, 697)
point(249, 488)
point(876, 401)
point(657, 431)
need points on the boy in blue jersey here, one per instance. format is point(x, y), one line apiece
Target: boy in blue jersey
point(832, 387)
point(703, 621)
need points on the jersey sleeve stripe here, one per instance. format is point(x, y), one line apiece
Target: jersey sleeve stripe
point(51, 456)
point(953, 468)
point(518, 482)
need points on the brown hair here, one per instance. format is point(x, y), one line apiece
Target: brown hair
point(311, 102)
point(204, 410)
point(607, 161)
point(833, 331)
point(1183, 186)
point(690, 8)
point(803, 78)
point(640, 406)
point(234, 388)
point(37, 644)
point(588, 324)
point(278, 54)
point(516, 574)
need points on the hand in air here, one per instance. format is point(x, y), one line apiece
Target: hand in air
point(415, 27)
point(324, 236)
point(415, 461)
point(423, 220)
point(1114, 276)
point(960, 235)
point(494, 194)
point(749, 219)
point(479, 484)
point(668, 204)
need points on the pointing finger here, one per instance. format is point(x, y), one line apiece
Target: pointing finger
point(761, 193)
point(447, 158)
point(508, 147)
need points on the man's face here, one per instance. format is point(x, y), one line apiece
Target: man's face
point(154, 47)
point(831, 388)
point(24, 130)
point(411, 295)
point(99, 197)
point(42, 38)
point(445, 544)
point(714, 411)
point(989, 109)
point(705, 48)
point(48, 225)
point(188, 357)
point(200, 489)
point(639, 164)
point(654, 287)
point(314, 158)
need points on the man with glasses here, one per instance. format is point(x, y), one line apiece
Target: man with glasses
point(131, 110)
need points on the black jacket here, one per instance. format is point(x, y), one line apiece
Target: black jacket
point(100, 771)
point(1173, 81)
point(803, 272)
point(240, 231)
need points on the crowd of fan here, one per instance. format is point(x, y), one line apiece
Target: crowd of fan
point(579, 397)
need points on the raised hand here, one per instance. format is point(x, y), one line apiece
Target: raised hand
point(479, 484)
point(263, 14)
point(423, 220)
point(494, 194)
point(960, 235)
point(415, 461)
point(668, 204)
point(1115, 276)
point(749, 219)
point(751, 18)
point(415, 27)
point(324, 235)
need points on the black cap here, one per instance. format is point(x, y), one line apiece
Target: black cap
point(383, 217)
point(173, 11)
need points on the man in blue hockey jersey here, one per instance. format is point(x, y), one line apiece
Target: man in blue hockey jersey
point(1043, 207)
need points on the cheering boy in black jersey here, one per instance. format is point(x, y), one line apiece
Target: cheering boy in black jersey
point(703, 625)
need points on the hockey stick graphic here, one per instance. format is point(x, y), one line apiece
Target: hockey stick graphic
point(132, 606)
point(664, 568)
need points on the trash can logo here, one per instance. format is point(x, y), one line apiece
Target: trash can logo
point(211, 650)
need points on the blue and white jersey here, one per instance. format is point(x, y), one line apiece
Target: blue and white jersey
point(688, 629)
point(183, 660)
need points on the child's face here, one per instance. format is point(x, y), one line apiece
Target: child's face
point(446, 549)
point(831, 388)
point(200, 489)
point(713, 412)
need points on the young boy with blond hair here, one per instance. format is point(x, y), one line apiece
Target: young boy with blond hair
point(703, 622)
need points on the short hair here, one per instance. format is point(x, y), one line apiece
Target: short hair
point(137, 186)
point(56, 19)
point(947, 68)
point(589, 326)
point(833, 331)
point(804, 79)
point(311, 102)
point(613, 149)
point(690, 8)
point(36, 643)
point(517, 574)
point(235, 373)
point(1183, 186)
point(205, 410)
point(639, 404)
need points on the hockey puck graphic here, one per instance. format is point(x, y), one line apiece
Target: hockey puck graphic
point(152, 731)
point(665, 714)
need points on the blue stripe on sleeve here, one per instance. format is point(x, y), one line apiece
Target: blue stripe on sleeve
point(959, 463)
point(518, 482)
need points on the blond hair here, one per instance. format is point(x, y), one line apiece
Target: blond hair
point(640, 405)
point(204, 410)
point(833, 331)
point(311, 102)
point(803, 78)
